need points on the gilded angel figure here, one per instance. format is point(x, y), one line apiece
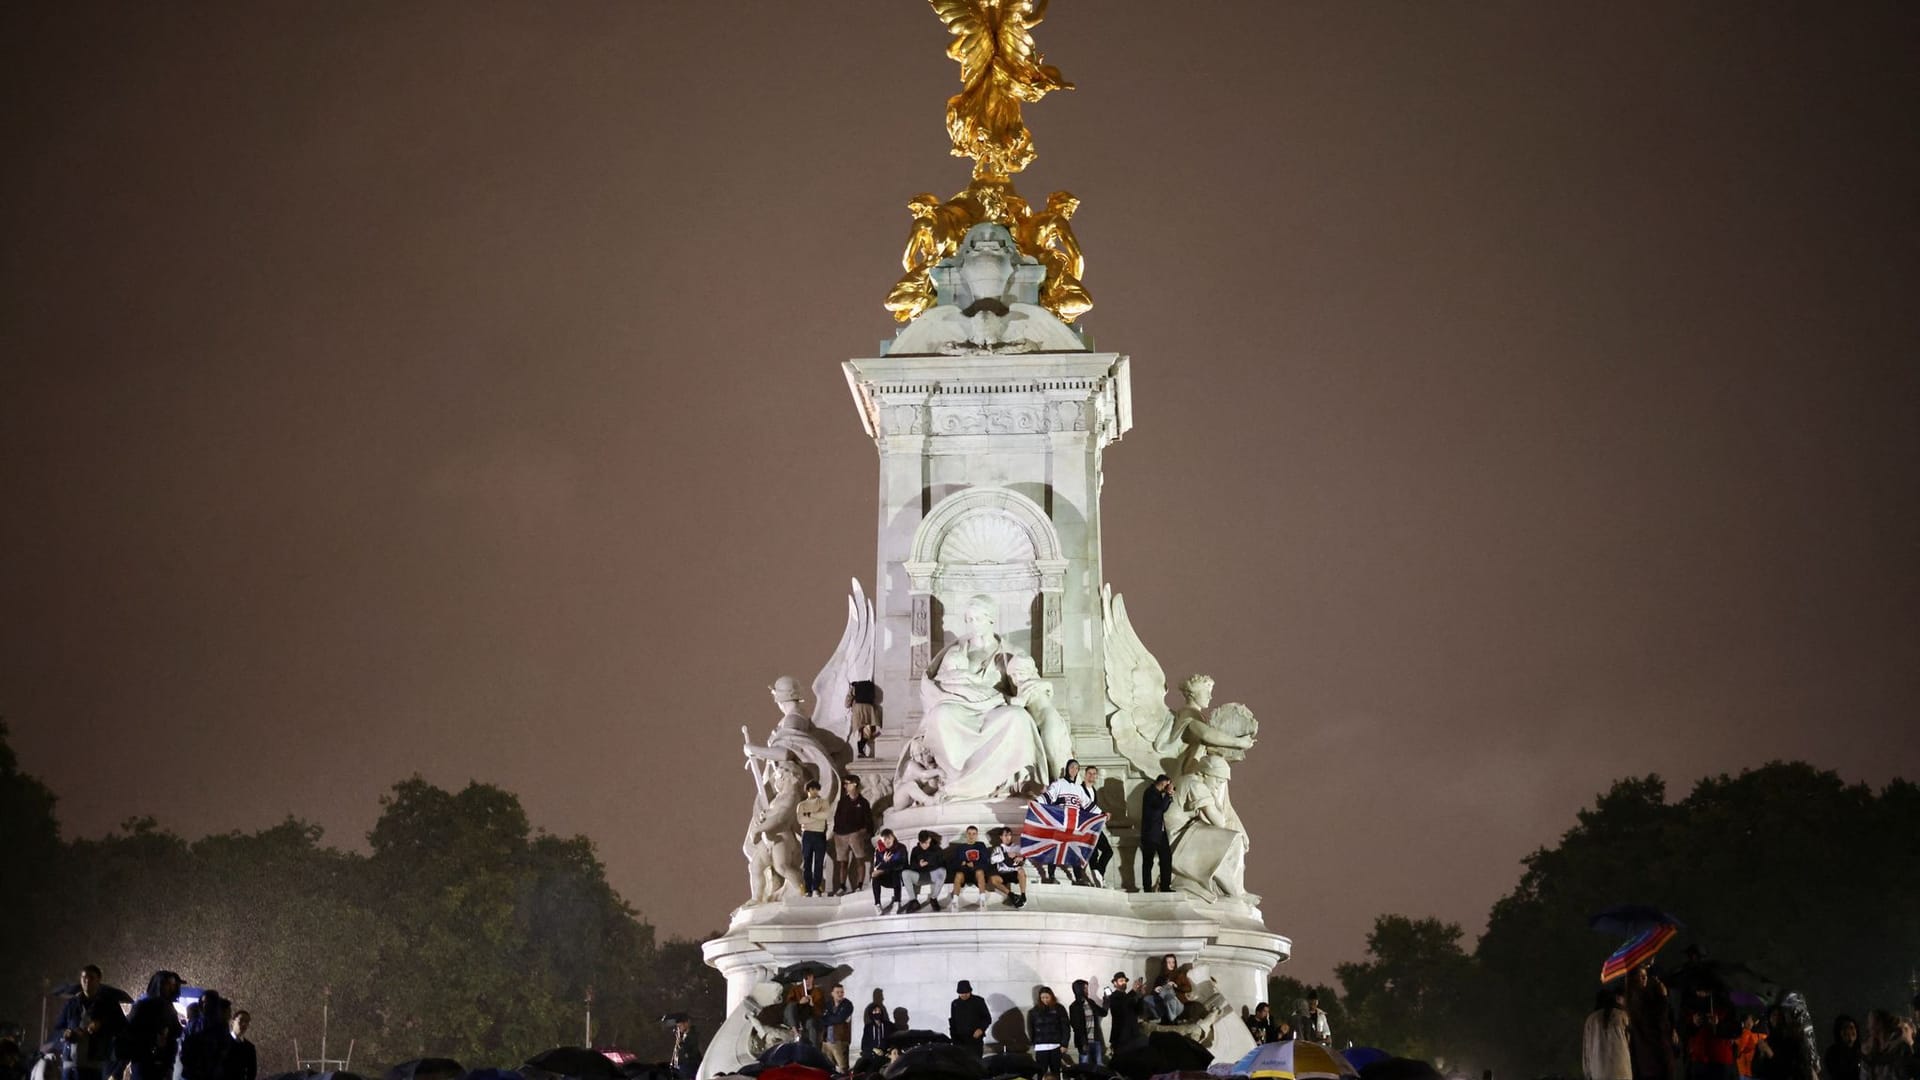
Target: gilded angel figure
point(937, 229)
point(999, 69)
point(1047, 235)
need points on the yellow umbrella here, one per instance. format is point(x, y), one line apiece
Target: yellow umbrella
point(1294, 1060)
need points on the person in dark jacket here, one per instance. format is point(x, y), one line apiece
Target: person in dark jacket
point(852, 837)
point(88, 1025)
point(1785, 1055)
point(1260, 1024)
point(1084, 1017)
point(1843, 1057)
point(207, 1042)
point(1156, 846)
point(876, 1027)
point(1047, 1026)
point(926, 865)
point(151, 1039)
point(684, 1060)
point(243, 1062)
point(1123, 1013)
point(968, 1019)
point(968, 862)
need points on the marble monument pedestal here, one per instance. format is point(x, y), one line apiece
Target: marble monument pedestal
point(1064, 933)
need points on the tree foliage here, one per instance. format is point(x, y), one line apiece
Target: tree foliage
point(465, 933)
point(1409, 994)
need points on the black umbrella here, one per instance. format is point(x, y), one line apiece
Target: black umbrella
point(1090, 1072)
point(1629, 920)
point(1010, 1065)
point(673, 1017)
point(574, 1061)
point(1164, 1051)
point(793, 973)
point(912, 1037)
point(796, 1053)
point(1400, 1069)
point(936, 1061)
point(426, 1069)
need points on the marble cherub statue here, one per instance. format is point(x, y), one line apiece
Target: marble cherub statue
point(1154, 738)
point(917, 781)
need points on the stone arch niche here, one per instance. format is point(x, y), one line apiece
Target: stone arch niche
point(992, 541)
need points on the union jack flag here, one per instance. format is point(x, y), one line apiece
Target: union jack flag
point(1060, 835)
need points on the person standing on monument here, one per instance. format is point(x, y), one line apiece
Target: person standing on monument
point(852, 837)
point(1123, 1012)
point(1067, 790)
point(813, 812)
point(836, 1025)
point(1261, 1026)
point(1083, 1016)
point(1103, 849)
point(1156, 844)
point(863, 713)
point(969, 1018)
point(1047, 1026)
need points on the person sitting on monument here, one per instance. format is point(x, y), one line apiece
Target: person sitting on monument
point(968, 862)
point(805, 1001)
point(836, 1027)
point(926, 865)
point(852, 837)
point(1047, 1025)
point(1009, 869)
point(968, 1019)
point(812, 812)
point(889, 863)
point(1171, 988)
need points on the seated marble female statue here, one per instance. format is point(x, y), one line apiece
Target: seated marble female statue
point(986, 747)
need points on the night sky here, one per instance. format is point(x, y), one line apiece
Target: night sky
point(1526, 396)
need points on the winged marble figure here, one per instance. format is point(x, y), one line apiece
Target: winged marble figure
point(1143, 727)
point(852, 662)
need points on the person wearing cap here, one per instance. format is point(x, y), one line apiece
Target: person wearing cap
point(852, 837)
point(968, 1019)
point(813, 812)
point(1156, 844)
point(1123, 1012)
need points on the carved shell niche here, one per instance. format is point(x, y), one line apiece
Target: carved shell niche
point(986, 539)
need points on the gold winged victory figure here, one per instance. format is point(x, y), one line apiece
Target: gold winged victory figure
point(999, 69)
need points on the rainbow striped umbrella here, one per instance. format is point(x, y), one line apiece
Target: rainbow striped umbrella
point(1637, 951)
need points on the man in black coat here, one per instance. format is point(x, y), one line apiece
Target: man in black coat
point(1084, 1017)
point(968, 1019)
point(150, 1043)
point(1123, 1013)
point(1155, 844)
point(88, 1025)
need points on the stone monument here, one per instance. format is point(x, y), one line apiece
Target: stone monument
point(992, 648)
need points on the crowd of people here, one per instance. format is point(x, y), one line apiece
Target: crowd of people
point(907, 878)
point(1642, 1029)
point(97, 1036)
point(1084, 1030)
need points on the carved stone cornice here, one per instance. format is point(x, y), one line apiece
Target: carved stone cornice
point(916, 398)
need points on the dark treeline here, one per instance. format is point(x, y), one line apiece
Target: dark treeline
point(1806, 879)
point(464, 933)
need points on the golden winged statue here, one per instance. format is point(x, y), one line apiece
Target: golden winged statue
point(999, 69)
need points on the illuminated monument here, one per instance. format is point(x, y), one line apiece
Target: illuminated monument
point(995, 645)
